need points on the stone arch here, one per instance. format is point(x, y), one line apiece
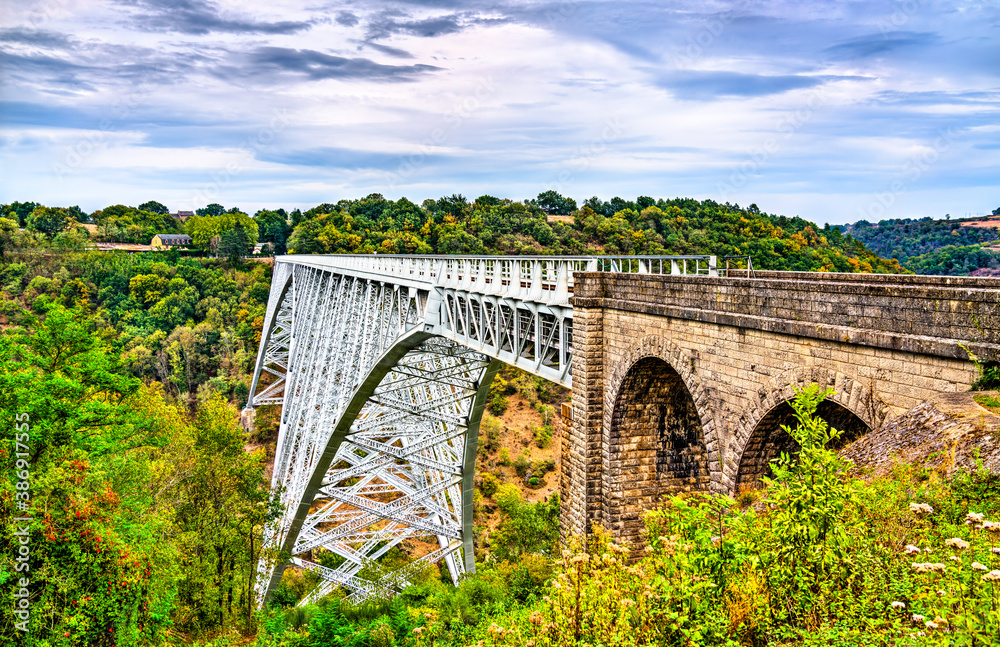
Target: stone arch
point(852, 408)
point(660, 431)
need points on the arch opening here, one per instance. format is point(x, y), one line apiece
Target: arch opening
point(768, 440)
point(657, 443)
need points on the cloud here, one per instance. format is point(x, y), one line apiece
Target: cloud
point(155, 119)
point(385, 25)
point(391, 51)
point(316, 65)
point(95, 67)
point(37, 38)
point(334, 157)
point(871, 45)
point(708, 85)
point(198, 17)
point(347, 19)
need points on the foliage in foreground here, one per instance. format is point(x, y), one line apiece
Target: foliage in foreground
point(819, 559)
point(142, 523)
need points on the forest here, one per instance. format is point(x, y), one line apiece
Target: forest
point(126, 374)
point(547, 224)
point(947, 247)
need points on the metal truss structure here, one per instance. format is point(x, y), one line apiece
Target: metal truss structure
point(382, 365)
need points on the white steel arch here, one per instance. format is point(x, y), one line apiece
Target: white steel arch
point(382, 366)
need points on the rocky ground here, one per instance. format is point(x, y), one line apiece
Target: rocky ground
point(949, 432)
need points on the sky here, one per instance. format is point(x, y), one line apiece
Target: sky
point(832, 111)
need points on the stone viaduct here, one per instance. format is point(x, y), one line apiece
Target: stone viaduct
point(682, 384)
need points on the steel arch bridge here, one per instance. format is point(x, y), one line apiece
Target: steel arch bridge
point(382, 366)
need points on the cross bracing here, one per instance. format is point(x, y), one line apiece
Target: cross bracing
point(381, 366)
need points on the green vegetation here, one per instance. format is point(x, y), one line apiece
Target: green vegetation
point(646, 226)
point(988, 401)
point(928, 246)
point(954, 261)
point(143, 518)
point(148, 508)
point(820, 559)
point(489, 225)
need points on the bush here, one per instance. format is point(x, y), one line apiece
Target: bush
point(543, 436)
point(489, 484)
point(521, 464)
point(489, 433)
point(498, 404)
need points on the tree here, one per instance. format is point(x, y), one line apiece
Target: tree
point(49, 220)
point(154, 207)
point(274, 229)
point(19, 211)
point(214, 209)
point(202, 229)
point(223, 508)
point(124, 224)
point(235, 243)
point(554, 203)
point(8, 235)
point(99, 573)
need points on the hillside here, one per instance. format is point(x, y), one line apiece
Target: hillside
point(960, 247)
point(551, 224)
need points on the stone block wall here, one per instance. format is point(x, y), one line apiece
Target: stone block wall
point(740, 347)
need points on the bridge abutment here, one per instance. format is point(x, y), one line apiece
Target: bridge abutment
point(737, 349)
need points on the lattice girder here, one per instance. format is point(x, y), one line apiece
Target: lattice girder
point(382, 366)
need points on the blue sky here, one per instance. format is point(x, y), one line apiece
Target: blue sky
point(834, 111)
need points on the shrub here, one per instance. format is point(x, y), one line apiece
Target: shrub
point(521, 464)
point(489, 484)
point(489, 433)
point(543, 436)
point(498, 404)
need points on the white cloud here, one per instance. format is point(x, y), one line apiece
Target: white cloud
point(510, 99)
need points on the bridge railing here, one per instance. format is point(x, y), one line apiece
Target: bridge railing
point(547, 279)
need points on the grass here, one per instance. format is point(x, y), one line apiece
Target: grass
point(988, 402)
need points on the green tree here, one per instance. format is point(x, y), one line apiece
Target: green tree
point(49, 220)
point(99, 573)
point(274, 229)
point(214, 209)
point(235, 243)
point(8, 236)
point(19, 211)
point(223, 504)
point(203, 229)
point(552, 202)
point(154, 207)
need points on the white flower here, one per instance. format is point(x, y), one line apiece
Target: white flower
point(927, 567)
point(917, 617)
point(898, 605)
point(954, 559)
point(992, 576)
point(976, 517)
point(930, 625)
point(955, 542)
point(995, 549)
point(976, 566)
point(921, 508)
point(911, 549)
